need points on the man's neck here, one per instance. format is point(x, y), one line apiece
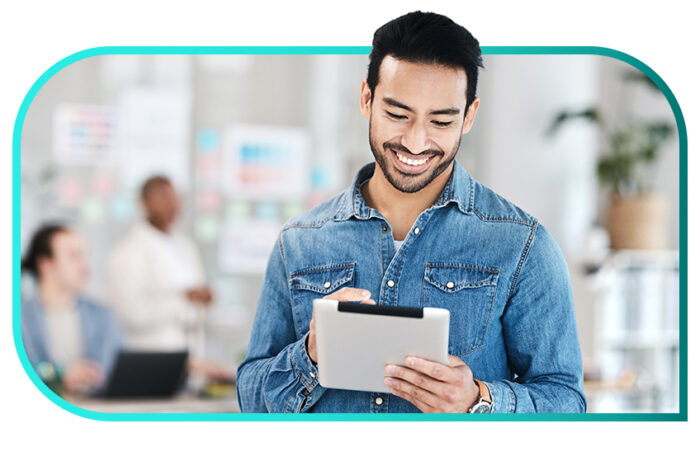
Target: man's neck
point(55, 298)
point(158, 226)
point(399, 208)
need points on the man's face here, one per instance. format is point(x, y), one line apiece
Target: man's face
point(68, 264)
point(417, 118)
point(162, 206)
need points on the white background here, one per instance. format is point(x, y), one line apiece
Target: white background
point(35, 35)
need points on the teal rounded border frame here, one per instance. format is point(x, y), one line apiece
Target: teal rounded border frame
point(682, 415)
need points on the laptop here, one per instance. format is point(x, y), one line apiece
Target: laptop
point(139, 374)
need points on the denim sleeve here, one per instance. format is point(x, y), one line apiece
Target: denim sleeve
point(277, 374)
point(539, 328)
point(31, 344)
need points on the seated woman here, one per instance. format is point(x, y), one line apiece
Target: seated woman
point(74, 337)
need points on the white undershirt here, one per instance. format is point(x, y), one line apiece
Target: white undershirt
point(63, 336)
point(397, 244)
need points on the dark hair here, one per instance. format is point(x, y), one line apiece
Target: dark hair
point(40, 246)
point(153, 182)
point(427, 38)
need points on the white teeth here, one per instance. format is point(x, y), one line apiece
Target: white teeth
point(408, 161)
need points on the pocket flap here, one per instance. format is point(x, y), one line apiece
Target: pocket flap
point(324, 279)
point(451, 278)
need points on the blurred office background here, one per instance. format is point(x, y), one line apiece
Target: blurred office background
point(251, 140)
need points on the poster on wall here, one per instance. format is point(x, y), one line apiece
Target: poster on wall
point(245, 245)
point(83, 134)
point(154, 135)
point(263, 162)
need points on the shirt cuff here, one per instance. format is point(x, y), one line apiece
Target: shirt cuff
point(502, 397)
point(306, 369)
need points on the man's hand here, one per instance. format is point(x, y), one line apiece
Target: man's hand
point(82, 377)
point(201, 295)
point(343, 294)
point(433, 387)
point(212, 370)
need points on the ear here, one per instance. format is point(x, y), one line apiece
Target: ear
point(42, 263)
point(471, 114)
point(365, 99)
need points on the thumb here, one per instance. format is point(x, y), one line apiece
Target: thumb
point(454, 361)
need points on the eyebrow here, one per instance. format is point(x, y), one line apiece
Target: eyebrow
point(444, 111)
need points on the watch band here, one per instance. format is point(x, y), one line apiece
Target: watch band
point(483, 403)
point(484, 392)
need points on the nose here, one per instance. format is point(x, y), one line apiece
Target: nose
point(416, 138)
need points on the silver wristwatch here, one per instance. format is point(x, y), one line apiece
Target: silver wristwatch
point(483, 405)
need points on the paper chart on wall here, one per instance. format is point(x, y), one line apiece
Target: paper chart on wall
point(245, 245)
point(154, 135)
point(266, 162)
point(83, 134)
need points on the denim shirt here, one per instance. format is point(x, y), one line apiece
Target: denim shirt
point(100, 332)
point(493, 266)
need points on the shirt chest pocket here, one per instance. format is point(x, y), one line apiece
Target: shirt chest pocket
point(468, 292)
point(314, 283)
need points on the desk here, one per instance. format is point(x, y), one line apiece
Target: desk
point(184, 403)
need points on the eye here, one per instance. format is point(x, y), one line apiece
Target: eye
point(443, 124)
point(396, 117)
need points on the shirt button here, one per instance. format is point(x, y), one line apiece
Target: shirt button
point(450, 285)
point(313, 376)
point(327, 285)
point(416, 230)
point(379, 400)
point(390, 283)
point(385, 228)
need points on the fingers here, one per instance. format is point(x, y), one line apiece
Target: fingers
point(414, 378)
point(90, 367)
point(201, 295)
point(83, 375)
point(420, 398)
point(442, 388)
point(431, 368)
point(351, 294)
point(311, 342)
point(432, 383)
point(92, 372)
point(454, 361)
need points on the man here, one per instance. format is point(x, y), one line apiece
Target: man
point(156, 277)
point(62, 329)
point(415, 229)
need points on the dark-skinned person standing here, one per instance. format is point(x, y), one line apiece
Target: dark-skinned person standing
point(156, 278)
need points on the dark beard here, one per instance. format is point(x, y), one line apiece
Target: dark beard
point(380, 157)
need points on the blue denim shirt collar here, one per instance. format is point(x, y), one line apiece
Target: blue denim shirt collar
point(458, 189)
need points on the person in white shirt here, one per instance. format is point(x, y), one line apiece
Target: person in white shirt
point(156, 278)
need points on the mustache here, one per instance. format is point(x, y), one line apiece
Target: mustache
point(399, 147)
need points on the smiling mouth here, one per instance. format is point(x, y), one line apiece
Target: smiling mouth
point(412, 162)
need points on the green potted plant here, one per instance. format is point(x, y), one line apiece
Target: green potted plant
point(637, 215)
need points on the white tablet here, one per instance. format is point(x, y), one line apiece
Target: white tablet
point(354, 342)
